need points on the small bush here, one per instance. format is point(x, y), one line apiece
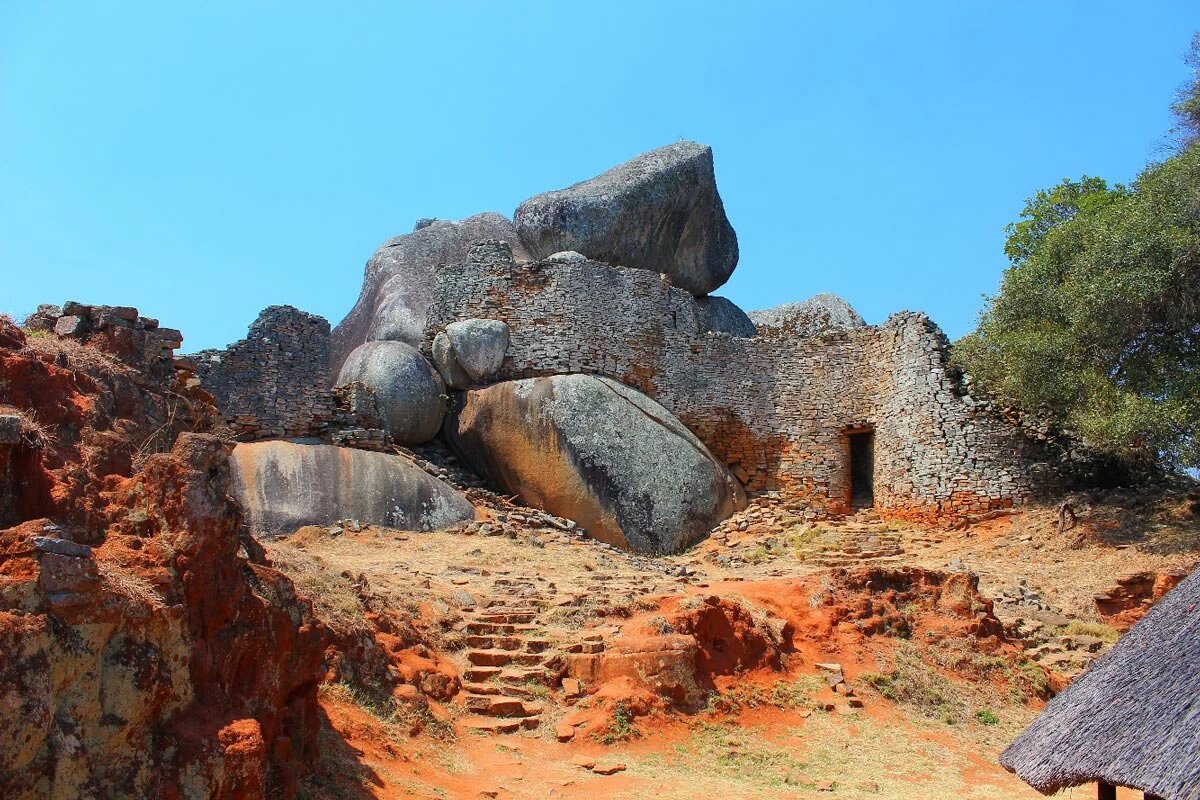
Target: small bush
point(1099, 630)
point(985, 716)
point(35, 433)
point(1029, 679)
point(620, 727)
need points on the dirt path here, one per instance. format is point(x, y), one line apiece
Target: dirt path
point(509, 601)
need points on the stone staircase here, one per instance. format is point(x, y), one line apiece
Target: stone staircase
point(851, 544)
point(511, 665)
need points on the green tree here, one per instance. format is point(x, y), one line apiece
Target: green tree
point(1187, 102)
point(1097, 321)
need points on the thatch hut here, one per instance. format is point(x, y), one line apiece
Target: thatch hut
point(1132, 719)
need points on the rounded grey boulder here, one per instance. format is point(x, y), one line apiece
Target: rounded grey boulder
point(821, 312)
point(283, 486)
point(447, 365)
point(408, 391)
point(595, 451)
point(718, 315)
point(399, 280)
point(660, 212)
point(470, 351)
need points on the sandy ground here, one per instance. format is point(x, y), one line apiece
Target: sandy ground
point(886, 750)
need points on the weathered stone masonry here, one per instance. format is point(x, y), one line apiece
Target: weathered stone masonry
point(274, 383)
point(775, 407)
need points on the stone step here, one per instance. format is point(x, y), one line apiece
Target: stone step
point(523, 675)
point(490, 629)
point(490, 725)
point(489, 658)
point(495, 642)
point(524, 692)
point(480, 688)
point(479, 674)
point(504, 603)
point(506, 617)
point(537, 645)
point(502, 706)
point(529, 659)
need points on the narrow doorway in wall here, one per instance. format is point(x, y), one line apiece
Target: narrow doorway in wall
point(862, 469)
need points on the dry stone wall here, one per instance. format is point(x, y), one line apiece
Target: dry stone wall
point(778, 407)
point(275, 382)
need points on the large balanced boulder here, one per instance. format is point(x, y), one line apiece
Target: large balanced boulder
point(470, 351)
point(818, 314)
point(409, 393)
point(660, 211)
point(597, 452)
point(398, 283)
point(284, 485)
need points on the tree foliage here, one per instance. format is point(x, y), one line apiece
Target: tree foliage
point(1187, 103)
point(1098, 317)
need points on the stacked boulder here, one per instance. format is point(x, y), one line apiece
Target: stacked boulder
point(660, 211)
point(399, 279)
point(597, 452)
point(409, 393)
point(586, 448)
point(470, 351)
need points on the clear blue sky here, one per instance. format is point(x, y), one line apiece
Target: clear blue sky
point(204, 160)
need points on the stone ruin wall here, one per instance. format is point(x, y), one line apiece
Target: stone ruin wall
point(774, 407)
point(274, 384)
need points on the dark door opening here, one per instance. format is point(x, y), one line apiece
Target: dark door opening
point(862, 468)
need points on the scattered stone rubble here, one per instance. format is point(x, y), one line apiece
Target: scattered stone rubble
point(118, 330)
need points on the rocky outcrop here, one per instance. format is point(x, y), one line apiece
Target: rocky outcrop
point(399, 280)
point(819, 313)
point(143, 655)
point(159, 664)
point(92, 405)
point(470, 351)
point(1131, 596)
point(718, 315)
point(409, 394)
point(660, 211)
point(597, 452)
point(284, 486)
point(676, 652)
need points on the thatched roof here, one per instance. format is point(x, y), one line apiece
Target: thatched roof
point(1133, 718)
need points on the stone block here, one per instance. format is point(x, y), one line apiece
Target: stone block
point(71, 326)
